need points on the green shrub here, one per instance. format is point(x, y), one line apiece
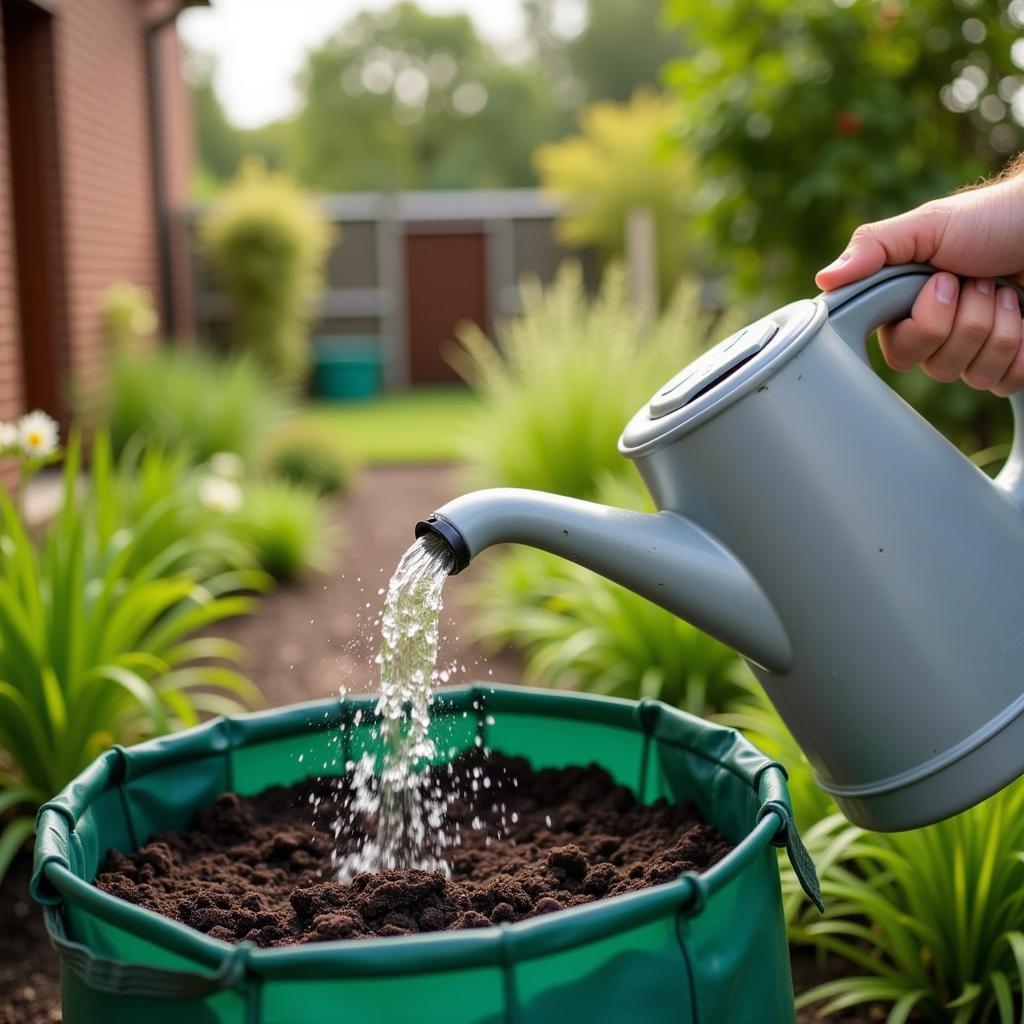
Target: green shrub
point(565, 377)
point(624, 157)
point(128, 315)
point(310, 453)
point(92, 653)
point(159, 488)
point(189, 399)
point(578, 630)
point(267, 244)
point(287, 526)
point(932, 918)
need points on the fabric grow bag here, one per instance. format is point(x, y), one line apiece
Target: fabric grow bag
point(707, 948)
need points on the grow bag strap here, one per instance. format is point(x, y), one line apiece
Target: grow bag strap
point(772, 787)
point(115, 977)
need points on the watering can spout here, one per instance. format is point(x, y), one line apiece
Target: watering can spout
point(663, 556)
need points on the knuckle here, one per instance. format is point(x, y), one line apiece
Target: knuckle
point(973, 327)
point(942, 370)
point(1014, 377)
point(1003, 345)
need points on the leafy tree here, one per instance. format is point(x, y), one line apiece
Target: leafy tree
point(622, 47)
point(403, 98)
point(221, 145)
point(808, 117)
point(623, 158)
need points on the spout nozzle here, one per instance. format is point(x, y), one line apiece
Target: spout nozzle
point(438, 526)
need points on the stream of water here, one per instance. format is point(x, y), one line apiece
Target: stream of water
point(408, 805)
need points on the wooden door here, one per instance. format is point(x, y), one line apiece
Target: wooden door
point(32, 147)
point(446, 283)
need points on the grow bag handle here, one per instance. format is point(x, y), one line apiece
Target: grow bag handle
point(116, 977)
point(771, 785)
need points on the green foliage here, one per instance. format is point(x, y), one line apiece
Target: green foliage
point(623, 159)
point(623, 46)
point(287, 526)
point(811, 117)
point(187, 398)
point(267, 244)
point(578, 630)
point(222, 146)
point(128, 315)
point(308, 452)
point(160, 488)
point(898, 103)
point(932, 918)
point(95, 648)
point(565, 377)
point(401, 98)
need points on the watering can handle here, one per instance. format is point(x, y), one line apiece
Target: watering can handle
point(857, 310)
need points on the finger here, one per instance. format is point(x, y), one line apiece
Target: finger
point(913, 236)
point(1013, 380)
point(975, 315)
point(1002, 344)
point(912, 341)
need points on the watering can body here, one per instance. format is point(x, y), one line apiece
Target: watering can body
point(871, 574)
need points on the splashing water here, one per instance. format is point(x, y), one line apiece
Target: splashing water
point(410, 809)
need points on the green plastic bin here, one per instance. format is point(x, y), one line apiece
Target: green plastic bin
point(346, 368)
point(707, 948)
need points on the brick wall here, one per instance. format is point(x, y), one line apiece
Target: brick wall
point(103, 124)
point(10, 378)
point(109, 214)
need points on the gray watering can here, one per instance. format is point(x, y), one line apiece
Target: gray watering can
point(870, 574)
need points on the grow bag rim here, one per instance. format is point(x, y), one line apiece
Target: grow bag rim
point(435, 950)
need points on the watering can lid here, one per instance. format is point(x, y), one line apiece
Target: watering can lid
point(722, 375)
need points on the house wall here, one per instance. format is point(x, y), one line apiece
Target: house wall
point(109, 230)
point(10, 375)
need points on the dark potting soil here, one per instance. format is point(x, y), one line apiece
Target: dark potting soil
point(259, 869)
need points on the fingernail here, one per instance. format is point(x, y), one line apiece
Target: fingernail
point(836, 263)
point(946, 288)
point(1008, 299)
point(984, 285)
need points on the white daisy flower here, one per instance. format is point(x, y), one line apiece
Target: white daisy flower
point(38, 434)
point(10, 439)
point(220, 495)
point(227, 465)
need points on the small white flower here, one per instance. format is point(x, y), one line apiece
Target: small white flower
point(227, 465)
point(10, 439)
point(220, 495)
point(38, 434)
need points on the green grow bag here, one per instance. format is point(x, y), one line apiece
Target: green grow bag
point(346, 368)
point(708, 948)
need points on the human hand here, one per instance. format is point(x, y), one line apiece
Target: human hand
point(971, 328)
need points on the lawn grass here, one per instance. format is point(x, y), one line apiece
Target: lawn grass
point(424, 425)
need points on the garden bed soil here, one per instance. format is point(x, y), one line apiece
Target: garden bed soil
point(257, 869)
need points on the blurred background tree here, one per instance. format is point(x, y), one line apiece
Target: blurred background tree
point(403, 98)
point(806, 118)
point(624, 158)
point(809, 117)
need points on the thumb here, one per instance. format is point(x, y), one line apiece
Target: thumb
point(903, 239)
